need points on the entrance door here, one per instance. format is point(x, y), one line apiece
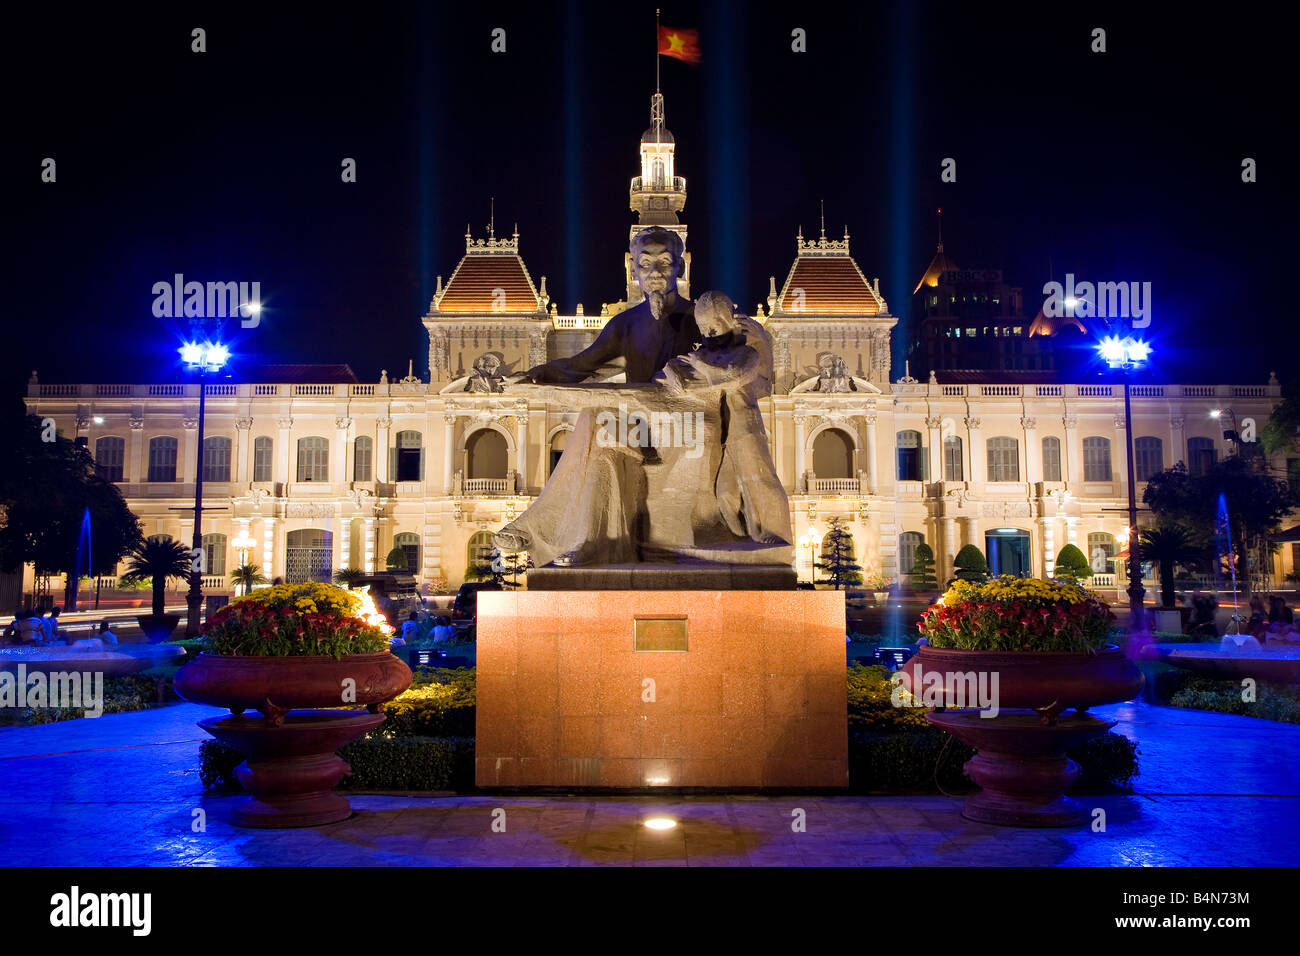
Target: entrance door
point(309, 556)
point(1008, 551)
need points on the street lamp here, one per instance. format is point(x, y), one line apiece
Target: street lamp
point(244, 544)
point(809, 541)
point(201, 357)
point(1127, 355)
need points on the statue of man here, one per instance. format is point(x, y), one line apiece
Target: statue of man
point(590, 509)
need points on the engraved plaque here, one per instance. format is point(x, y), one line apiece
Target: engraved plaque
point(659, 634)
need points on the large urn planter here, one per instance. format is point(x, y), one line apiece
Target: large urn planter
point(157, 627)
point(1021, 764)
point(291, 766)
point(297, 656)
point(1028, 651)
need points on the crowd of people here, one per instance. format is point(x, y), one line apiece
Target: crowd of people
point(36, 627)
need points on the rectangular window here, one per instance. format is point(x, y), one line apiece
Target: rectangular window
point(216, 459)
point(363, 467)
point(1004, 459)
point(1096, 459)
point(110, 455)
point(313, 459)
point(262, 459)
point(1148, 458)
point(952, 463)
point(1051, 458)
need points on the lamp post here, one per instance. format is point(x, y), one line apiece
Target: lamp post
point(1127, 355)
point(810, 542)
point(201, 357)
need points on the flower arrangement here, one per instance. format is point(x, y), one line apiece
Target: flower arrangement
point(878, 582)
point(291, 620)
point(1018, 614)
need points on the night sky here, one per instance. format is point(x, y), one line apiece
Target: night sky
point(225, 165)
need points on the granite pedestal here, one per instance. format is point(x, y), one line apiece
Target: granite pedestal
point(746, 689)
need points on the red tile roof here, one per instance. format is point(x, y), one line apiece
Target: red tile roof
point(472, 287)
point(831, 284)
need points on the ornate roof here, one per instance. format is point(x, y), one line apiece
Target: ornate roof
point(830, 280)
point(489, 265)
point(940, 264)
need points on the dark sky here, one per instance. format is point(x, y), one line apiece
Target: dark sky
point(225, 165)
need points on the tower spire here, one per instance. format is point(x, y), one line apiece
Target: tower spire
point(823, 205)
point(941, 229)
point(656, 51)
point(492, 217)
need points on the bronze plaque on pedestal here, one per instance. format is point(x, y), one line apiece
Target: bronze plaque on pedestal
point(659, 633)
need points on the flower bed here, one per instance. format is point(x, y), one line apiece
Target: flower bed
point(1018, 614)
point(295, 620)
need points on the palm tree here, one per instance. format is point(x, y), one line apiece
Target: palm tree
point(348, 576)
point(1166, 547)
point(156, 560)
point(247, 575)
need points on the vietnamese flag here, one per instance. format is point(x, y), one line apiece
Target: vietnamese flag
point(682, 44)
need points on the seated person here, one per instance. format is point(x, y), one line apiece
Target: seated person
point(442, 631)
point(106, 635)
point(411, 627)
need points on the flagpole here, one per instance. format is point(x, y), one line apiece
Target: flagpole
point(657, 50)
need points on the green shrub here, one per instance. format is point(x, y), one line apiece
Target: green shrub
point(870, 705)
point(971, 564)
point(439, 703)
point(1072, 563)
point(922, 576)
point(1107, 761)
point(1224, 697)
point(378, 763)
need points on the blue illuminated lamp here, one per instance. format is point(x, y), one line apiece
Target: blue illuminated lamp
point(202, 357)
point(1127, 354)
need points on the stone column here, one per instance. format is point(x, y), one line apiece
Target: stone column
point(268, 548)
point(339, 468)
point(800, 423)
point(341, 536)
point(381, 449)
point(1049, 545)
point(970, 533)
point(873, 450)
point(936, 448)
point(135, 460)
point(947, 548)
point(242, 427)
point(1031, 454)
point(978, 453)
point(1177, 442)
point(187, 467)
point(1119, 462)
point(1072, 531)
point(448, 449)
point(368, 544)
point(521, 452)
point(284, 460)
point(1072, 451)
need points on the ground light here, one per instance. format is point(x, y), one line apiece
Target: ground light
point(660, 823)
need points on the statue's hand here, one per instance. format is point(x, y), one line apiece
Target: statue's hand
point(518, 378)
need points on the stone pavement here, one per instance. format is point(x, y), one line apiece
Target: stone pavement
point(121, 790)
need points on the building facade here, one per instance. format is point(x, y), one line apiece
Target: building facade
point(318, 471)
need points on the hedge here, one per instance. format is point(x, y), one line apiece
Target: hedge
point(378, 763)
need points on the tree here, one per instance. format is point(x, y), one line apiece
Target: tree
point(1072, 564)
point(837, 556)
point(155, 561)
point(396, 560)
point(247, 575)
point(922, 574)
point(1166, 547)
point(1281, 433)
point(1255, 503)
point(350, 576)
point(47, 486)
point(971, 564)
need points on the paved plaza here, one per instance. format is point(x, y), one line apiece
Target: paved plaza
point(122, 790)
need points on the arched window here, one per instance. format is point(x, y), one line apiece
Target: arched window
point(1051, 458)
point(408, 466)
point(1004, 459)
point(486, 454)
point(1096, 459)
point(162, 458)
point(262, 458)
point(409, 542)
point(657, 173)
point(214, 554)
point(1101, 552)
point(558, 444)
point(1148, 458)
point(911, 456)
point(309, 556)
point(907, 543)
point(833, 454)
point(216, 458)
point(952, 461)
point(313, 459)
point(110, 455)
point(363, 459)
point(478, 549)
point(1200, 455)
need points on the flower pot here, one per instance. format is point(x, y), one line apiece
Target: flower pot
point(880, 596)
point(157, 627)
point(291, 765)
point(1021, 764)
point(1046, 681)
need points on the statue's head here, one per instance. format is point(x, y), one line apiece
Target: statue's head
point(487, 364)
point(657, 260)
point(715, 314)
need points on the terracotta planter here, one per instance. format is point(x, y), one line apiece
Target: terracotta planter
point(1021, 763)
point(291, 765)
point(1046, 681)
